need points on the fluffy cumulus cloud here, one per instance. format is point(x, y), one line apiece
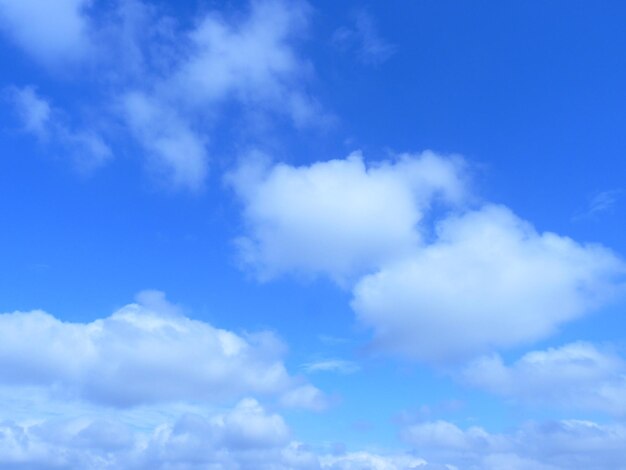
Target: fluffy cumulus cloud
point(247, 436)
point(553, 445)
point(483, 279)
point(146, 352)
point(489, 280)
point(577, 375)
point(52, 32)
point(340, 218)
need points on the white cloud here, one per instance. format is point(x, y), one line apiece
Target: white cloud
point(249, 437)
point(490, 280)
point(85, 147)
point(245, 437)
point(238, 438)
point(144, 353)
point(54, 32)
point(554, 445)
point(251, 60)
point(173, 84)
point(485, 279)
point(175, 151)
point(331, 365)
point(341, 217)
point(577, 375)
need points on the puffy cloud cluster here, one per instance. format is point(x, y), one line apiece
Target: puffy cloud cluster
point(248, 437)
point(250, 62)
point(577, 375)
point(490, 280)
point(553, 445)
point(483, 279)
point(165, 85)
point(146, 352)
point(242, 437)
point(245, 437)
point(340, 218)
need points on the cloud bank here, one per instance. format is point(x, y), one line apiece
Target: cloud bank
point(551, 445)
point(146, 352)
point(244, 437)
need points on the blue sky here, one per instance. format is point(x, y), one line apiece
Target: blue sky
point(330, 235)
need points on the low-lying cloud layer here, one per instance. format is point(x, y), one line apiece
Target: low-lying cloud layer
point(552, 445)
point(146, 352)
point(246, 437)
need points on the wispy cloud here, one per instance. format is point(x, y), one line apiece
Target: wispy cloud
point(603, 201)
point(363, 39)
point(84, 146)
point(54, 33)
point(166, 84)
point(331, 365)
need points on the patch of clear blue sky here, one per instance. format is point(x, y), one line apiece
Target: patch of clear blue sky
point(532, 93)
